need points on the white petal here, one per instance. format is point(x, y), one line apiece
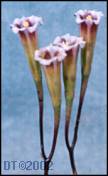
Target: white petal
point(57, 39)
point(96, 21)
point(22, 29)
point(52, 49)
point(79, 20)
point(80, 12)
point(15, 30)
point(35, 20)
point(82, 42)
point(17, 21)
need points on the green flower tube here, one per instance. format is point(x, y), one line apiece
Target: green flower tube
point(71, 46)
point(50, 57)
point(26, 28)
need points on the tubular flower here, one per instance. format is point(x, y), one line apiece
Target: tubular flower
point(26, 27)
point(28, 24)
point(71, 45)
point(67, 42)
point(50, 57)
point(88, 16)
point(89, 21)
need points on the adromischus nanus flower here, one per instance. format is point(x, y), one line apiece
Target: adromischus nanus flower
point(29, 24)
point(88, 21)
point(68, 42)
point(88, 16)
point(26, 27)
point(50, 58)
point(71, 45)
point(49, 54)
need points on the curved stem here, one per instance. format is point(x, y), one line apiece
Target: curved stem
point(40, 99)
point(41, 129)
point(69, 147)
point(68, 115)
point(48, 159)
point(46, 167)
point(56, 127)
point(67, 123)
point(72, 161)
point(82, 95)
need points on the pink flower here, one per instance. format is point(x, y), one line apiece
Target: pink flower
point(26, 27)
point(68, 42)
point(29, 24)
point(89, 21)
point(50, 54)
point(50, 58)
point(88, 16)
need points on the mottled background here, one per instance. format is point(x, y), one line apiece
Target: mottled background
point(20, 130)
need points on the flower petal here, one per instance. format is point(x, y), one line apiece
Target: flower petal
point(15, 29)
point(53, 58)
point(70, 42)
point(33, 22)
point(88, 16)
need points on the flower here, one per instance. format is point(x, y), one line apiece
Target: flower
point(88, 16)
point(68, 42)
point(29, 24)
point(49, 54)
point(88, 21)
point(26, 29)
point(71, 45)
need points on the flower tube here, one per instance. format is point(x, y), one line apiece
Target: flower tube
point(71, 46)
point(26, 27)
point(50, 58)
point(89, 22)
